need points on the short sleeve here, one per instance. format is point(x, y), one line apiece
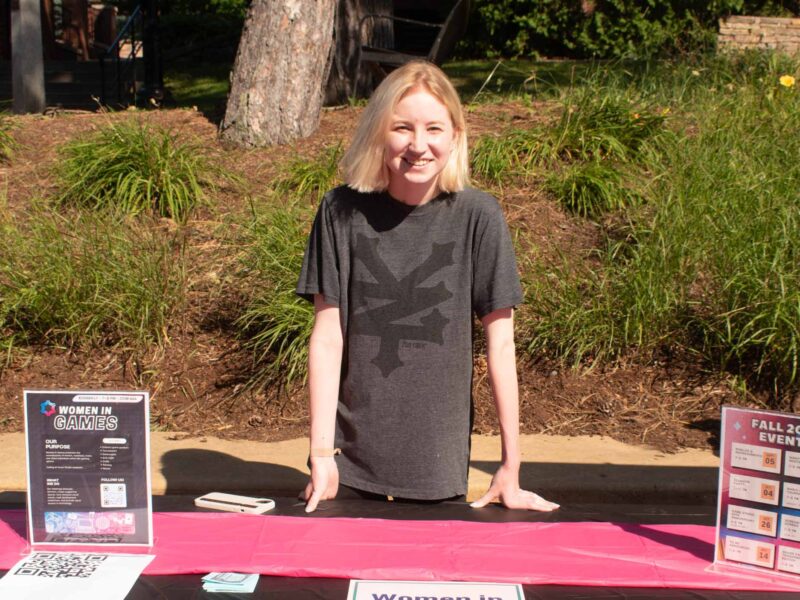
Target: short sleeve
point(495, 280)
point(320, 271)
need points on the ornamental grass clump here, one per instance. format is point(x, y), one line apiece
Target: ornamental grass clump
point(132, 168)
point(604, 125)
point(309, 178)
point(87, 279)
point(276, 323)
point(8, 144)
point(591, 188)
point(493, 158)
point(515, 153)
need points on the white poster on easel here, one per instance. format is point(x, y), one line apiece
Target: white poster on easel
point(88, 468)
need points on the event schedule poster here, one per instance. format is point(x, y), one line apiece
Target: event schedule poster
point(758, 520)
point(88, 468)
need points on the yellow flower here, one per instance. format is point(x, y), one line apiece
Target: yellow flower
point(787, 81)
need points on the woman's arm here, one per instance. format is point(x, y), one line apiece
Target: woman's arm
point(324, 368)
point(502, 361)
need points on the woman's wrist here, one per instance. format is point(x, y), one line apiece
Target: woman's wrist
point(323, 452)
point(511, 464)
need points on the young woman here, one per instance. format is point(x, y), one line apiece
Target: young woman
point(397, 262)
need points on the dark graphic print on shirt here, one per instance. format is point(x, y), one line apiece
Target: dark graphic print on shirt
point(403, 297)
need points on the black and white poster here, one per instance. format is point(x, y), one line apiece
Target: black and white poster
point(88, 467)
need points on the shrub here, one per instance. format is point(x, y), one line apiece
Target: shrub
point(131, 168)
point(276, 323)
point(604, 28)
point(87, 279)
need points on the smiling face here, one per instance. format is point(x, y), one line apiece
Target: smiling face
point(419, 141)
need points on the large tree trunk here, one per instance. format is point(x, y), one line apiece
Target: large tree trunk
point(27, 62)
point(281, 66)
point(344, 83)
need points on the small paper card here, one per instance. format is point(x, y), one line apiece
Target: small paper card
point(241, 583)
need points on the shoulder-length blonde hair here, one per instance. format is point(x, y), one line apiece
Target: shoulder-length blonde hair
point(363, 165)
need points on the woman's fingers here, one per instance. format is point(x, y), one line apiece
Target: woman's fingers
point(489, 496)
point(313, 501)
point(521, 499)
point(533, 501)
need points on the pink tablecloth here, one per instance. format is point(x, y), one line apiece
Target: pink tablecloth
point(591, 554)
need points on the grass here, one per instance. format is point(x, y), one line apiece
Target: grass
point(733, 214)
point(308, 179)
point(689, 168)
point(695, 159)
point(203, 85)
point(87, 279)
point(589, 159)
point(132, 168)
point(606, 125)
point(591, 188)
point(484, 81)
point(8, 144)
point(496, 158)
point(276, 323)
point(710, 264)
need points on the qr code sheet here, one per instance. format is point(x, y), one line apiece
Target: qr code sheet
point(113, 495)
point(60, 564)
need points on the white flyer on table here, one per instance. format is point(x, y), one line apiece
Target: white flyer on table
point(73, 576)
point(439, 590)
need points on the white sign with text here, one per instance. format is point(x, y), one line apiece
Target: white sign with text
point(433, 590)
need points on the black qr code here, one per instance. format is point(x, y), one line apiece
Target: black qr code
point(60, 564)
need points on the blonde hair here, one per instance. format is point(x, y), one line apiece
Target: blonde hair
point(363, 166)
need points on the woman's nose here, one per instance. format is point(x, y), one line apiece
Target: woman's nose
point(419, 142)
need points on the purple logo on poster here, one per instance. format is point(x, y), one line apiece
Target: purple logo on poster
point(47, 408)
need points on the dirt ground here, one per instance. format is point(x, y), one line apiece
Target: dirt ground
point(196, 380)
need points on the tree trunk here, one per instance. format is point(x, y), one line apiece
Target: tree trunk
point(27, 61)
point(344, 83)
point(281, 66)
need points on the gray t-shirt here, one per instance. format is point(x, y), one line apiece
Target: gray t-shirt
point(406, 281)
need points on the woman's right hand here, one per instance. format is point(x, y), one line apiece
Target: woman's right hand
point(323, 484)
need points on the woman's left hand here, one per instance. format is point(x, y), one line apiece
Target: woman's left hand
point(505, 487)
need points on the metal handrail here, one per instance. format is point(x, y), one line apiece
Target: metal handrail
point(128, 24)
point(113, 50)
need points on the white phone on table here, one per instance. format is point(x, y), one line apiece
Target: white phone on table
point(234, 503)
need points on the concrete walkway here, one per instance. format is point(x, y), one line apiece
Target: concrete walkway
point(560, 468)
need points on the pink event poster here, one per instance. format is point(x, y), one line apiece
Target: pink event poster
point(758, 523)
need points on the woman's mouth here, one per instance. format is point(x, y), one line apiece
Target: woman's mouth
point(417, 162)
